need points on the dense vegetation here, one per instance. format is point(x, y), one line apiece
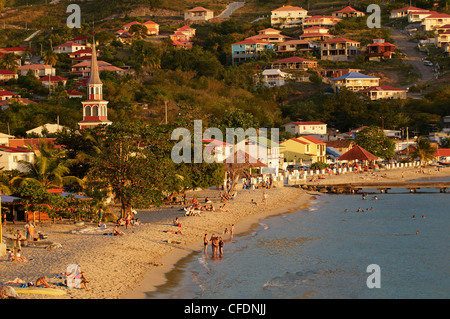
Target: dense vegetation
point(203, 79)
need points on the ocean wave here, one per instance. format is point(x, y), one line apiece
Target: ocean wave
point(290, 280)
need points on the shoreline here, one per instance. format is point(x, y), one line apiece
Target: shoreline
point(125, 267)
point(155, 279)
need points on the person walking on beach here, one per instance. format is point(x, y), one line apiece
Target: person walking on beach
point(205, 242)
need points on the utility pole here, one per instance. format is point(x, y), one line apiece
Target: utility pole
point(407, 141)
point(165, 106)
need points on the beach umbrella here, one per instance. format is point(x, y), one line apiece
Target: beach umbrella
point(357, 153)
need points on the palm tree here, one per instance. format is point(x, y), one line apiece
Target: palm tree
point(48, 169)
point(423, 150)
point(50, 57)
point(9, 61)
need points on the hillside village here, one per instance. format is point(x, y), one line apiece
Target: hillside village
point(295, 67)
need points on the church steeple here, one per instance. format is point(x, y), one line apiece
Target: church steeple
point(95, 109)
point(95, 85)
point(94, 77)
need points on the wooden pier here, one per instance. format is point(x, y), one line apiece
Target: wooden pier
point(382, 187)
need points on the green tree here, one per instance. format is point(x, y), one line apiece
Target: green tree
point(138, 31)
point(48, 168)
point(423, 150)
point(376, 142)
point(146, 55)
point(135, 163)
point(50, 57)
point(9, 61)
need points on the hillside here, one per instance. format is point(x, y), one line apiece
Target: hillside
point(203, 82)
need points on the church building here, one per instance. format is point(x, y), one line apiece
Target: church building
point(95, 109)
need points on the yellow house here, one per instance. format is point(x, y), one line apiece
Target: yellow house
point(306, 148)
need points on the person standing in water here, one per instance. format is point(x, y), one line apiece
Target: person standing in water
point(205, 242)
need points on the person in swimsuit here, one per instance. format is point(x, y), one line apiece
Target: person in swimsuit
point(205, 242)
point(220, 246)
point(214, 245)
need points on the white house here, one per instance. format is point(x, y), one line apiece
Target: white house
point(198, 14)
point(287, 16)
point(50, 128)
point(354, 81)
point(10, 158)
point(38, 70)
point(68, 47)
point(384, 92)
point(219, 149)
point(403, 12)
point(4, 139)
point(306, 128)
point(264, 150)
point(434, 21)
point(272, 78)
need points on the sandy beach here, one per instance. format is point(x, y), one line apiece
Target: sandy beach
point(124, 267)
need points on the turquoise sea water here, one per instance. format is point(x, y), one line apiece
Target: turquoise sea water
point(324, 251)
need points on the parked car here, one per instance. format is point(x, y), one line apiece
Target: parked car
point(291, 168)
point(427, 63)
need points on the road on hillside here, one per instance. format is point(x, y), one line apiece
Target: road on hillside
point(230, 9)
point(413, 56)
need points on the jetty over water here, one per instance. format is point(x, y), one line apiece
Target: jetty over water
point(383, 187)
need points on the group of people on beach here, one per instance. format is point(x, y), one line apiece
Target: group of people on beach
point(217, 244)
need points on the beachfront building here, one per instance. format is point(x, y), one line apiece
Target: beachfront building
point(348, 12)
point(11, 157)
point(247, 49)
point(198, 14)
point(271, 78)
point(379, 50)
point(218, 149)
point(434, 21)
point(317, 129)
point(339, 49)
point(403, 12)
point(443, 155)
point(38, 70)
point(384, 92)
point(294, 63)
point(354, 81)
point(321, 21)
point(300, 46)
point(287, 16)
point(95, 109)
point(264, 150)
point(270, 35)
point(316, 34)
point(306, 148)
point(6, 75)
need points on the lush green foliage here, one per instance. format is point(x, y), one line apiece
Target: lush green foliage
point(376, 142)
